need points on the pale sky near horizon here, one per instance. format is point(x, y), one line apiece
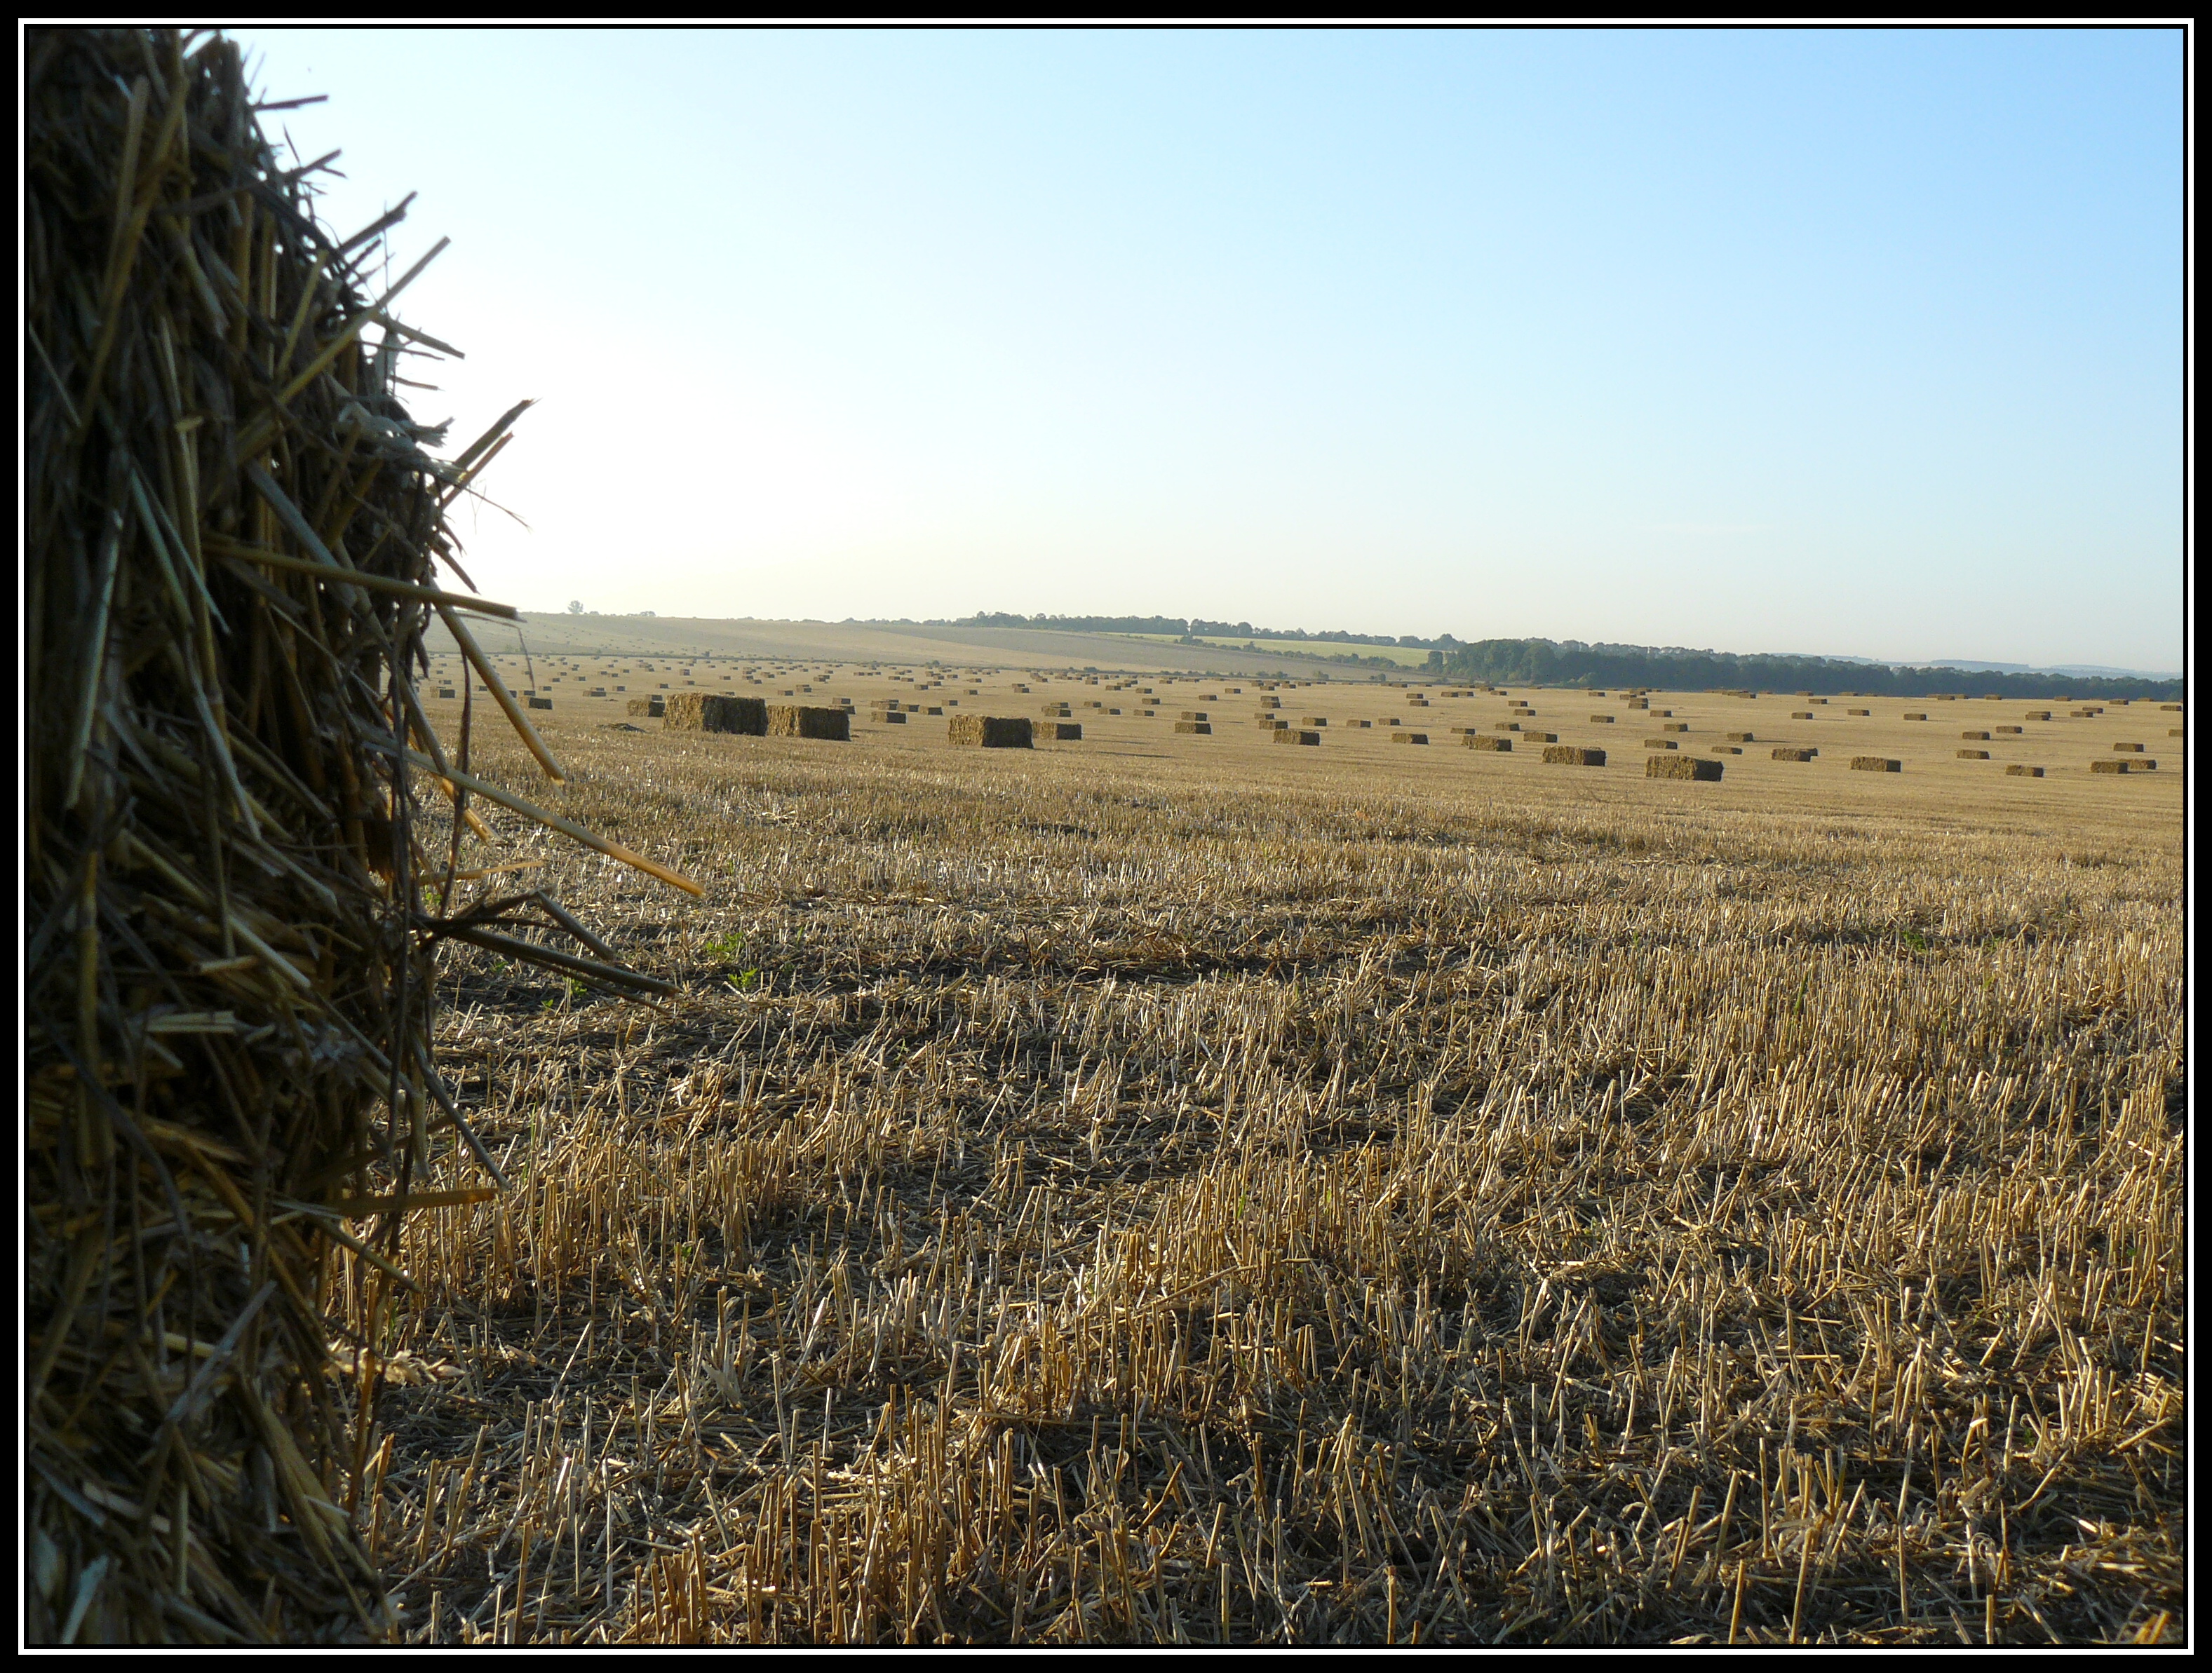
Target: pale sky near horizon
point(1855, 343)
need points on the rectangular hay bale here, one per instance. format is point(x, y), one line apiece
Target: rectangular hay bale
point(702, 711)
point(800, 720)
point(1409, 737)
point(1681, 766)
point(1875, 764)
point(1061, 731)
point(1573, 755)
point(2017, 771)
point(988, 731)
point(1199, 727)
point(1973, 754)
point(1498, 746)
point(1788, 754)
point(1291, 735)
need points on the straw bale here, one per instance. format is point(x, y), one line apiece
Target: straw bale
point(2110, 766)
point(1787, 754)
point(1741, 737)
point(1409, 737)
point(1875, 764)
point(2010, 731)
point(1728, 749)
point(1859, 712)
point(539, 702)
point(1921, 715)
point(798, 720)
point(233, 541)
point(1978, 737)
point(647, 707)
point(1061, 731)
point(1540, 737)
point(2017, 771)
point(2171, 708)
point(1601, 720)
point(1684, 725)
point(1661, 743)
point(1313, 720)
point(2037, 714)
point(445, 691)
point(2173, 732)
point(1291, 735)
point(1198, 727)
point(1193, 714)
point(1502, 746)
point(893, 717)
point(984, 732)
point(1574, 754)
point(1973, 754)
point(2128, 749)
point(1681, 766)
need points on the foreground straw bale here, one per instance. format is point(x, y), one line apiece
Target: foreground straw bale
point(232, 533)
point(989, 731)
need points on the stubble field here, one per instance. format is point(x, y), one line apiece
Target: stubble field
point(1169, 1188)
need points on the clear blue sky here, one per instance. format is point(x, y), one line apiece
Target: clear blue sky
point(1858, 342)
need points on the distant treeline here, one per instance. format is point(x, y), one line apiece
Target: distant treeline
point(1542, 662)
point(1177, 626)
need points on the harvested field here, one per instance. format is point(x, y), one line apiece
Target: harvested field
point(1076, 1181)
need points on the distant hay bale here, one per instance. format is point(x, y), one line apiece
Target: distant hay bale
point(985, 731)
point(1061, 731)
point(1573, 755)
point(1741, 737)
point(1858, 712)
point(1786, 754)
point(1875, 764)
point(1194, 715)
point(539, 702)
point(1600, 721)
point(1676, 726)
point(2010, 729)
point(2110, 767)
point(2017, 771)
point(1681, 766)
point(1409, 737)
point(1313, 720)
point(2171, 708)
point(1727, 749)
point(1921, 715)
point(1505, 726)
point(1801, 714)
point(1540, 737)
point(643, 707)
point(2037, 714)
point(893, 717)
point(447, 691)
point(1291, 735)
point(1198, 727)
point(1500, 746)
point(2171, 731)
point(1973, 754)
point(798, 720)
point(701, 712)
point(2128, 748)
point(1271, 702)
point(1978, 737)
point(1661, 743)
